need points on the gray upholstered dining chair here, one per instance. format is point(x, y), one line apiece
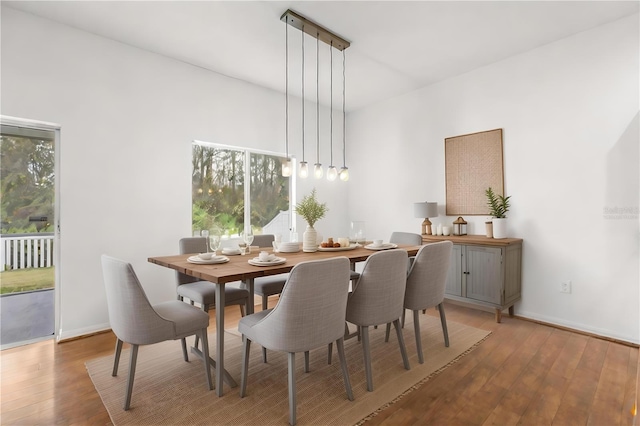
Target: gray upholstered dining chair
point(425, 286)
point(408, 238)
point(310, 314)
point(270, 285)
point(378, 298)
point(135, 321)
point(204, 292)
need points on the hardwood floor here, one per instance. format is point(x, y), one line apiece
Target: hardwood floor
point(524, 373)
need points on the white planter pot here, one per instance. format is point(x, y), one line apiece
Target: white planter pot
point(310, 240)
point(500, 228)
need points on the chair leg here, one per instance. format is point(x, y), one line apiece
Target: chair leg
point(404, 312)
point(443, 320)
point(345, 370)
point(292, 388)
point(116, 357)
point(132, 373)
point(185, 355)
point(387, 332)
point(403, 349)
point(366, 353)
point(306, 361)
point(329, 353)
point(245, 365)
point(205, 355)
point(416, 327)
point(265, 303)
point(205, 308)
point(242, 311)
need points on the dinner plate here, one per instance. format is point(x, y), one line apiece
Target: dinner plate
point(288, 249)
point(213, 260)
point(257, 262)
point(230, 252)
point(384, 246)
point(351, 247)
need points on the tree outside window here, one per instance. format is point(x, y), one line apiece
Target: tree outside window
point(221, 185)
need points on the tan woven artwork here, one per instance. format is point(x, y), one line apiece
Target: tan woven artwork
point(473, 163)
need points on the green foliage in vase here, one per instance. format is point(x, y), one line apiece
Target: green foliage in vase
point(310, 209)
point(498, 204)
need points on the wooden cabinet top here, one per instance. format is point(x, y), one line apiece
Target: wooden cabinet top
point(478, 240)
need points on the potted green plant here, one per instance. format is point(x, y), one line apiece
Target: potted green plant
point(498, 208)
point(312, 211)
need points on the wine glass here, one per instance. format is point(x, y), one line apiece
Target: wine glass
point(248, 238)
point(214, 242)
point(205, 233)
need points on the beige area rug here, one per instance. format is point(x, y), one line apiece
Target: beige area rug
point(169, 391)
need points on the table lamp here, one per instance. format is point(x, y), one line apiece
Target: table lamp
point(425, 210)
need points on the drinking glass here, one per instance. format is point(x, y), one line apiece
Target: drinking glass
point(248, 238)
point(358, 230)
point(214, 242)
point(205, 233)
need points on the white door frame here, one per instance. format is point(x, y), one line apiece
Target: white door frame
point(55, 128)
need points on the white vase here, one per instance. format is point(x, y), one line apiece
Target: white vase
point(489, 229)
point(310, 240)
point(499, 228)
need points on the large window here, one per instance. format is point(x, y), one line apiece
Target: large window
point(234, 188)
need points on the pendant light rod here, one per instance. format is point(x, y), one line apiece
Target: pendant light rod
point(344, 115)
point(318, 172)
point(286, 93)
point(286, 165)
point(331, 105)
point(314, 29)
point(302, 92)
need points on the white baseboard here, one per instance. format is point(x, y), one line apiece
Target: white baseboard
point(578, 327)
point(64, 335)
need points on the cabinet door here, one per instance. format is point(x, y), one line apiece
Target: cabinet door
point(484, 273)
point(454, 276)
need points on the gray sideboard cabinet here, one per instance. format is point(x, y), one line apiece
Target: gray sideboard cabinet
point(484, 271)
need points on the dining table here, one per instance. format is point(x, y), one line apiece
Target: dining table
point(238, 268)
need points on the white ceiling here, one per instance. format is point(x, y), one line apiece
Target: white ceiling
point(396, 46)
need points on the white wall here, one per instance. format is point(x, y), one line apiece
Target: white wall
point(128, 118)
point(569, 111)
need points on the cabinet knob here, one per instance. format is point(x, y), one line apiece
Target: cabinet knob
point(466, 273)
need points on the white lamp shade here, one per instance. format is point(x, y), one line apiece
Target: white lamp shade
point(425, 210)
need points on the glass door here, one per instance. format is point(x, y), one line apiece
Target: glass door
point(27, 272)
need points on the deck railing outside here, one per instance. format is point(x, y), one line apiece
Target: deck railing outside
point(22, 251)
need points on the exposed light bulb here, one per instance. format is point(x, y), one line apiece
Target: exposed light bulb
point(332, 173)
point(317, 171)
point(344, 174)
point(304, 169)
point(286, 168)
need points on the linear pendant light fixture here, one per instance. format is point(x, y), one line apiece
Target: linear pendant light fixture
point(335, 42)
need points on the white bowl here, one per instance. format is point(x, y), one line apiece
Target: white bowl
point(206, 256)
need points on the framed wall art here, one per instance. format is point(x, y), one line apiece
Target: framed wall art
point(473, 163)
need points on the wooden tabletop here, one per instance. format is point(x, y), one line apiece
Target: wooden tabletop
point(238, 267)
point(479, 240)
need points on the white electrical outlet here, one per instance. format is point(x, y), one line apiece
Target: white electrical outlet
point(565, 287)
